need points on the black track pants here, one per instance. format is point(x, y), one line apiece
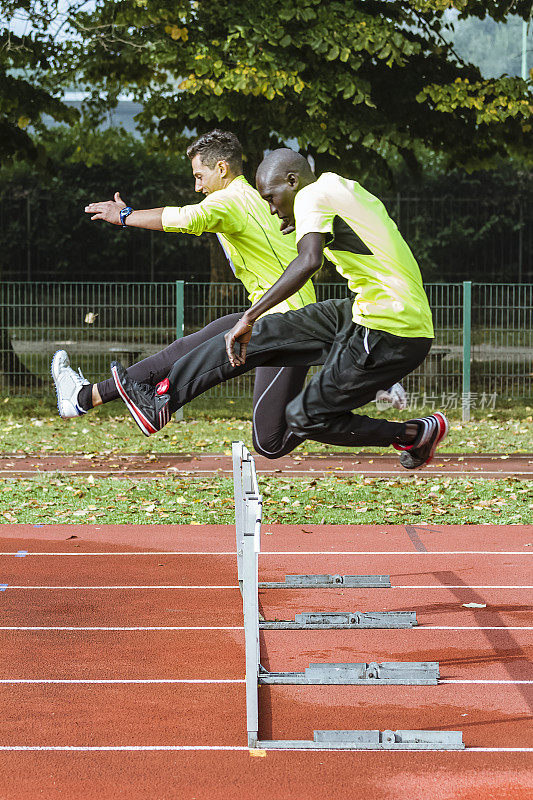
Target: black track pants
point(274, 387)
point(356, 363)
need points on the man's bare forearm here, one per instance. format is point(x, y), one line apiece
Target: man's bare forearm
point(109, 211)
point(149, 218)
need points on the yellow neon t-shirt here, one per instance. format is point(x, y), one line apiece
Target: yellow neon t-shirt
point(256, 250)
point(367, 249)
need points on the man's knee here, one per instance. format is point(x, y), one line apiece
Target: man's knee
point(269, 444)
point(266, 449)
point(298, 421)
point(275, 444)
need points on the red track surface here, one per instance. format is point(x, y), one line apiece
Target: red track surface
point(171, 464)
point(87, 609)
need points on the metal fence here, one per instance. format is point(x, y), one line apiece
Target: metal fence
point(96, 323)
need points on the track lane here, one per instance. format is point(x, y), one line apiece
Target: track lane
point(467, 653)
point(161, 606)
point(462, 654)
point(187, 465)
point(426, 776)
point(487, 718)
point(178, 714)
point(122, 714)
point(116, 538)
point(122, 654)
point(405, 568)
point(60, 654)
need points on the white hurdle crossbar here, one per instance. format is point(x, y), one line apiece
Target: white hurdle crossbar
point(248, 508)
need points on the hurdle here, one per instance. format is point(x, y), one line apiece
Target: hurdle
point(248, 518)
point(246, 496)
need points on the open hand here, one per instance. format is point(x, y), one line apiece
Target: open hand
point(241, 333)
point(108, 210)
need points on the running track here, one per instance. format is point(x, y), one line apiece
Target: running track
point(171, 464)
point(122, 669)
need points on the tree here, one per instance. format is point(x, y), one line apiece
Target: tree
point(352, 81)
point(30, 76)
point(29, 89)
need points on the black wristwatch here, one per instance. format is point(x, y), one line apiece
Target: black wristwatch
point(125, 212)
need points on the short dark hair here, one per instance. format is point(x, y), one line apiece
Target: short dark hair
point(216, 146)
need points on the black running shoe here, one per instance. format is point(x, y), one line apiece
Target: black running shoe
point(433, 430)
point(148, 405)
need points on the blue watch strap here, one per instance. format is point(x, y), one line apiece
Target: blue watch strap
point(125, 212)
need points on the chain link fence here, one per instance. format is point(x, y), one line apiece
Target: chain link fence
point(97, 323)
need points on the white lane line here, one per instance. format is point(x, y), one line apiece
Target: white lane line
point(199, 747)
point(482, 681)
point(298, 553)
point(77, 588)
point(130, 553)
point(413, 586)
point(396, 553)
point(459, 586)
point(207, 680)
point(474, 627)
point(121, 748)
point(120, 680)
point(241, 628)
point(116, 628)
point(375, 473)
point(497, 750)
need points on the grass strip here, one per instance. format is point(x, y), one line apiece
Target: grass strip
point(336, 500)
point(103, 433)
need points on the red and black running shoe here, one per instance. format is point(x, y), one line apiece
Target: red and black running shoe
point(432, 430)
point(148, 405)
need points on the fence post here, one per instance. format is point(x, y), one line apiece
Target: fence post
point(28, 238)
point(180, 325)
point(467, 346)
point(180, 309)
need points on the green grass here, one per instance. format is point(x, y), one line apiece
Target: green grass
point(31, 425)
point(335, 500)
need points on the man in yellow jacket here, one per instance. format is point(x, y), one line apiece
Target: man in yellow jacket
point(257, 253)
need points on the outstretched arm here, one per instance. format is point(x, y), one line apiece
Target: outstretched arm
point(109, 211)
point(307, 262)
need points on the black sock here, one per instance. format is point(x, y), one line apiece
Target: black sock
point(85, 397)
point(404, 438)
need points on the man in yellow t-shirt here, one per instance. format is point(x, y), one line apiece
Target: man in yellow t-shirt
point(258, 254)
point(363, 346)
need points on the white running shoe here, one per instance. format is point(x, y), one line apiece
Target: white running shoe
point(68, 384)
point(395, 397)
